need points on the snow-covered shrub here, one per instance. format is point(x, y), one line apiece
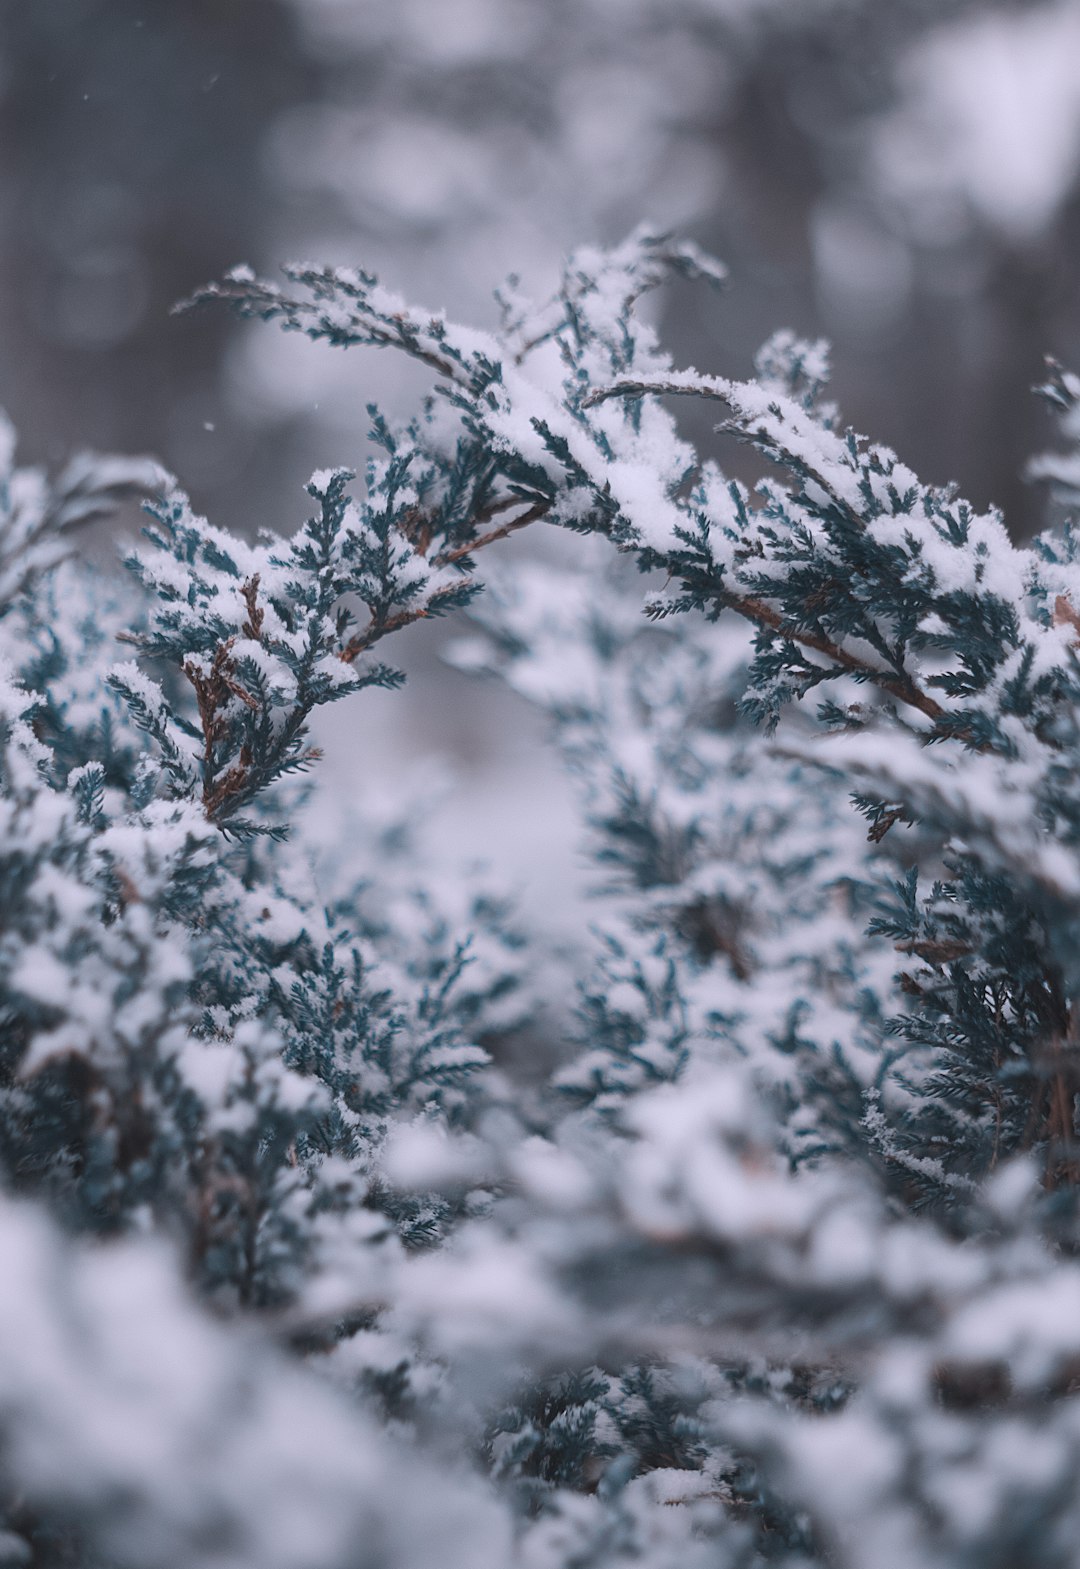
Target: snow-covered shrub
point(781, 1265)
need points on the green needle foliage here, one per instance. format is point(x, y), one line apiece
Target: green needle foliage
point(780, 1266)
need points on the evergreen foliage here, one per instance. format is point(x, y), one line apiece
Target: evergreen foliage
point(781, 1266)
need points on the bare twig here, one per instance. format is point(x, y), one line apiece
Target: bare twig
point(446, 558)
point(900, 687)
point(377, 629)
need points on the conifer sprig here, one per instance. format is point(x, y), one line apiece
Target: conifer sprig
point(778, 1264)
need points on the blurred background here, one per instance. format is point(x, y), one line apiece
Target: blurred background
point(902, 176)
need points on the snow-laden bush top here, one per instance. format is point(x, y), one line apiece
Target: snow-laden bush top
point(781, 1265)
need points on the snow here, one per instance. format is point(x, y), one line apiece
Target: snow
point(114, 1384)
point(731, 1021)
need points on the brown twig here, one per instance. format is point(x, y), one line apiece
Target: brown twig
point(446, 558)
point(654, 389)
point(253, 626)
point(900, 687)
point(212, 692)
point(376, 629)
point(257, 299)
point(232, 781)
